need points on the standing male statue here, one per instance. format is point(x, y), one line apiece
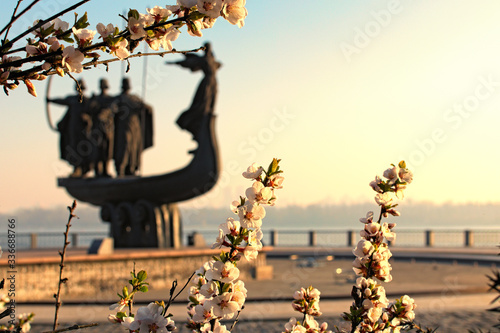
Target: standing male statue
point(133, 131)
point(73, 128)
point(102, 110)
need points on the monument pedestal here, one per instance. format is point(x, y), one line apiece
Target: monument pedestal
point(143, 224)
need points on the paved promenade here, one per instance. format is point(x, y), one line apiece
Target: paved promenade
point(449, 286)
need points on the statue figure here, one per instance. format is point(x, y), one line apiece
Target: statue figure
point(102, 110)
point(142, 211)
point(133, 131)
point(73, 128)
point(204, 98)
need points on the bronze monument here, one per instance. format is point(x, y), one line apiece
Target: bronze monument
point(142, 211)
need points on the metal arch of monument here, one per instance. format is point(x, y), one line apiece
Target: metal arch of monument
point(142, 211)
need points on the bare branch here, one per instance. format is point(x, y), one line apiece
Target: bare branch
point(161, 54)
point(61, 265)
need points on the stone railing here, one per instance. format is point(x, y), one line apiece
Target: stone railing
point(330, 238)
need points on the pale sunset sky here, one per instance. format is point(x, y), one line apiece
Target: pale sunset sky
point(337, 89)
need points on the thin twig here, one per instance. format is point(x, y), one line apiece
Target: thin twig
point(28, 72)
point(61, 265)
point(12, 19)
point(42, 22)
point(237, 319)
point(71, 328)
point(173, 298)
point(78, 87)
point(161, 54)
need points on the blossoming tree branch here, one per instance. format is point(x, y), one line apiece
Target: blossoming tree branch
point(371, 311)
point(59, 47)
point(215, 292)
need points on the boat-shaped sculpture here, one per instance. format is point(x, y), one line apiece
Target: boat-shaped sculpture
point(142, 211)
point(198, 177)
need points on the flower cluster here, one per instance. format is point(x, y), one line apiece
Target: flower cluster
point(216, 293)
point(371, 310)
point(23, 323)
point(58, 47)
point(148, 319)
point(151, 318)
point(306, 301)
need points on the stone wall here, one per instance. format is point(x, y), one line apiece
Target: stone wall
point(36, 278)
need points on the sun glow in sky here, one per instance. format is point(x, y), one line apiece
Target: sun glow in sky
point(338, 92)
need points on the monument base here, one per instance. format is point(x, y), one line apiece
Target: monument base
point(143, 224)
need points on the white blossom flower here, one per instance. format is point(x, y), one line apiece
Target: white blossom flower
point(388, 234)
point(254, 171)
point(405, 175)
point(209, 289)
point(210, 8)
point(207, 22)
point(149, 319)
point(4, 299)
point(392, 174)
point(374, 184)
point(374, 314)
point(114, 319)
point(24, 322)
point(224, 272)
point(72, 59)
point(136, 26)
point(276, 181)
point(119, 49)
point(254, 244)
point(299, 329)
point(358, 266)
point(251, 215)
point(195, 27)
point(167, 39)
point(235, 12)
point(310, 323)
point(409, 304)
point(363, 249)
point(219, 241)
point(239, 286)
point(84, 35)
point(159, 13)
point(203, 313)
point(34, 50)
point(187, 3)
point(383, 272)
point(368, 218)
point(230, 227)
point(259, 193)
point(54, 44)
point(239, 298)
point(105, 31)
point(370, 230)
point(218, 328)
point(383, 199)
point(224, 307)
point(60, 25)
point(119, 305)
point(290, 325)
